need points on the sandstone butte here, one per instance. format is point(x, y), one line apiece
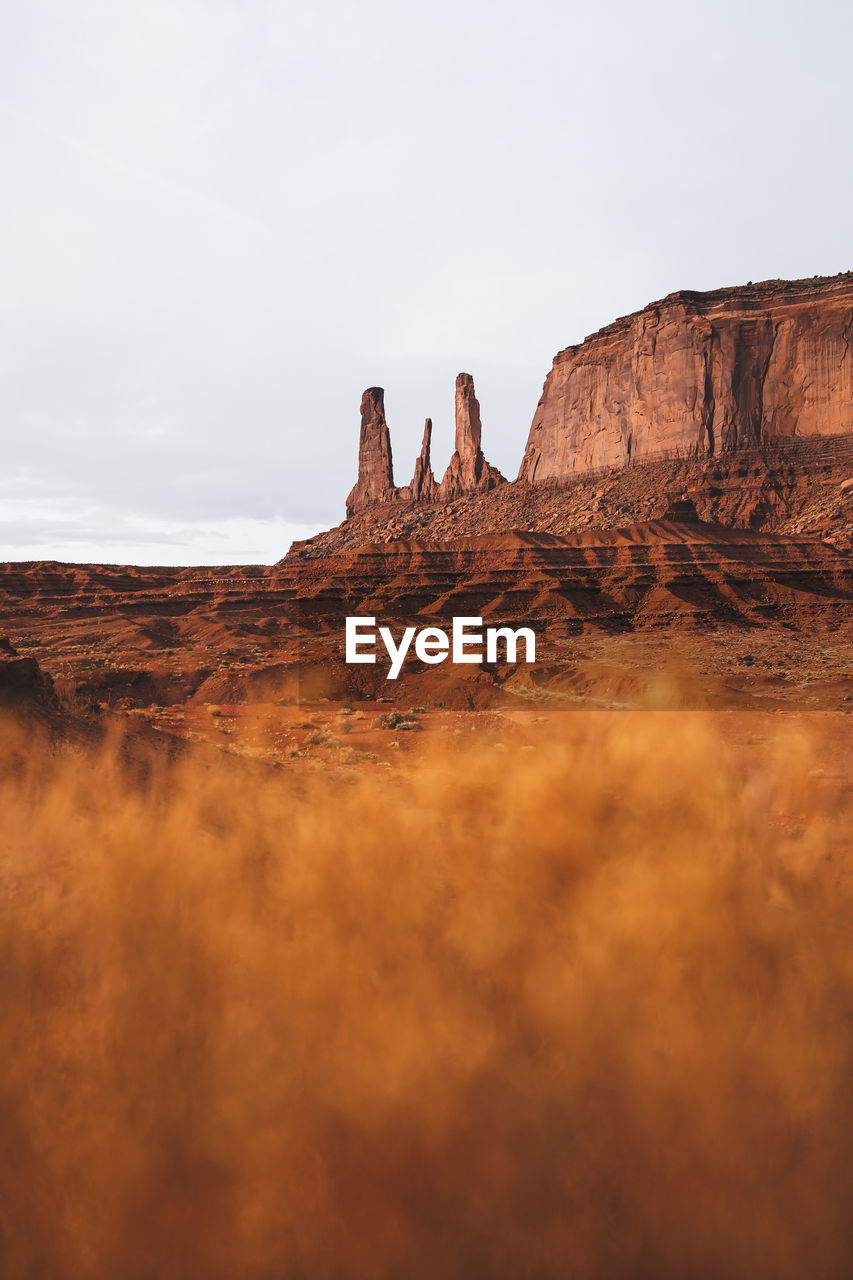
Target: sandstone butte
point(694, 375)
point(700, 374)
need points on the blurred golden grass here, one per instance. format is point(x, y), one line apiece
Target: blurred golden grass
point(585, 1011)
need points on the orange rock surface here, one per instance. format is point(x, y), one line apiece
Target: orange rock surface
point(701, 374)
point(375, 464)
point(468, 471)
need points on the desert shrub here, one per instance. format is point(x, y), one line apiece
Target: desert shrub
point(72, 701)
point(395, 719)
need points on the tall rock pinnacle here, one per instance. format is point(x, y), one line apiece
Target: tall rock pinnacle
point(375, 465)
point(423, 487)
point(468, 469)
point(468, 428)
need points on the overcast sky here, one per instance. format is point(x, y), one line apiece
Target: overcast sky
point(222, 221)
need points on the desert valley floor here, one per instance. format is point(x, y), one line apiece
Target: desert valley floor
point(664, 614)
point(302, 961)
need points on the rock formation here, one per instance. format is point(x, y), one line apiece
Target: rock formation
point(22, 680)
point(750, 389)
point(700, 374)
point(423, 487)
point(468, 471)
point(375, 465)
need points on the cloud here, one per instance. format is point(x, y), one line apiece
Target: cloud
point(223, 222)
point(39, 531)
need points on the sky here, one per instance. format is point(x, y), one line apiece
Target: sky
point(221, 221)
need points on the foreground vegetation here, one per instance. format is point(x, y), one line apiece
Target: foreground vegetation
point(581, 1010)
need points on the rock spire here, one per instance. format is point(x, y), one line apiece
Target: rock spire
point(423, 487)
point(375, 465)
point(468, 470)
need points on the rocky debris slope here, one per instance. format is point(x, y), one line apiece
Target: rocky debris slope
point(792, 489)
point(700, 373)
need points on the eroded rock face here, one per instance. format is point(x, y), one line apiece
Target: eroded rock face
point(700, 374)
point(375, 465)
point(468, 471)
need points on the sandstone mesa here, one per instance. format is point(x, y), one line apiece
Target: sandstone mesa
point(700, 373)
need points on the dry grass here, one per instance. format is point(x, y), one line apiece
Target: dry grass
point(585, 1011)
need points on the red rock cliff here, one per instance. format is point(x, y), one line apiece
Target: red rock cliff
point(700, 373)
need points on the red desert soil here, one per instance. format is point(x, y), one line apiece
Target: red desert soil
point(665, 613)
